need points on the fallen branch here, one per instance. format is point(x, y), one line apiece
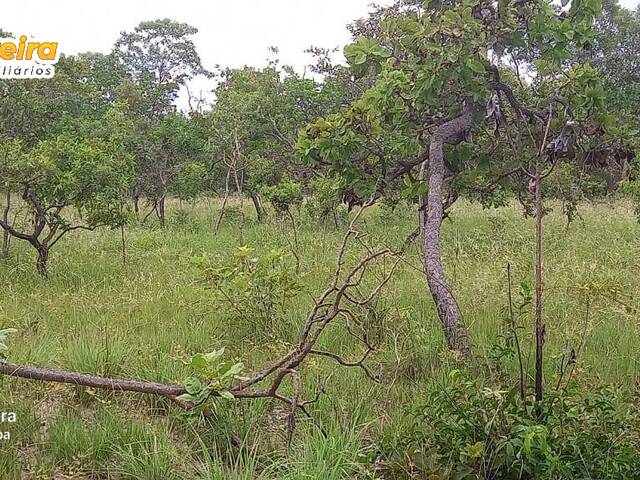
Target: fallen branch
point(343, 289)
point(92, 381)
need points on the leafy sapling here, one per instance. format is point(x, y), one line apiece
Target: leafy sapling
point(212, 377)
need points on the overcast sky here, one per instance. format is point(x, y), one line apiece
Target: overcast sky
point(232, 33)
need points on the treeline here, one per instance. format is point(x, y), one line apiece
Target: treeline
point(105, 135)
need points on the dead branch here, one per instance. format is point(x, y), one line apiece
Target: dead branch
point(333, 304)
point(91, 381)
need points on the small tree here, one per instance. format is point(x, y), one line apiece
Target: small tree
point(173, 144)
point(67, 184)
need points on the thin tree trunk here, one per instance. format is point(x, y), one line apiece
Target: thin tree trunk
point(540, 328)
point(136, 204)
point(42, 261)
point(161, 210)
point(514, 333)
point(224, 202)
point(260, 211)
point(6, 239)
point(123, 244)
point(430, 225)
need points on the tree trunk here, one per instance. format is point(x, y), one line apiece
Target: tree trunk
point(540, 328)
point(430, 224)
point(260, 211)
point(42, 261)
point(6, 238)
point(161, 211)
point(136, 204)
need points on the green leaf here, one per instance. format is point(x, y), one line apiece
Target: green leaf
point(187, 397)
point(228, 369)
point(475, 65)
point(193, 386)
point(211, 357)
point(199, 361)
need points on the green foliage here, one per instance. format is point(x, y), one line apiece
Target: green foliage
point(284, 195)
point(325, 197)
point(365, 53)
point(429, 62)
point(253, 288)
point(211, 376)
point(161, 56)
point(191, 181)
point(467, 430)
point(92, 176)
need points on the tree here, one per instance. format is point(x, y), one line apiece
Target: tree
point(172, 144)
point(34, 110)
point(442, 72)
point(254, 124)
point(161, 57)
point(70, 182)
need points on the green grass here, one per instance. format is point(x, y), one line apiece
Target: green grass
point(144, 317)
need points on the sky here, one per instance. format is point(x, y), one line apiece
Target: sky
point(232, 33)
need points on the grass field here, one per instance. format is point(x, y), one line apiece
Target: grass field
point(144, 318)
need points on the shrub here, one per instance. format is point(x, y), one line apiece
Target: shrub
point(258, 288)
point(325, 199)
point(466, 430)
point(284, 195)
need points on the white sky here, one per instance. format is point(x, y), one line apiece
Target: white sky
point(232, 33)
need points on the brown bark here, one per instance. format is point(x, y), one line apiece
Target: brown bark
point(430, 223)
point(257, 203)
point(6, 239)
point(42, 260)
point(216, 227)
point(92, 381)
point(540, 327)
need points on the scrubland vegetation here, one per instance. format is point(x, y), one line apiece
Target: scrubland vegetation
point(420, 264)
point(145, 318)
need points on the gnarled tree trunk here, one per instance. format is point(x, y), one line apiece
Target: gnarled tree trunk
point(430, 223)
point(42, 260)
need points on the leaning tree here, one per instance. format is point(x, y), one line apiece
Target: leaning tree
point(456, 81)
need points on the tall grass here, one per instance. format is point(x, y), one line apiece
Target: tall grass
point(143, 317)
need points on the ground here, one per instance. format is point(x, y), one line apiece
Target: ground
point(144, 317)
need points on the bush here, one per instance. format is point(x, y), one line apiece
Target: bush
point(468, 431)
point(254, 288)
point(284, 195)
point(325, 199)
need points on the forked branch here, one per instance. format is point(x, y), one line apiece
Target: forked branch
point(335, 303)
